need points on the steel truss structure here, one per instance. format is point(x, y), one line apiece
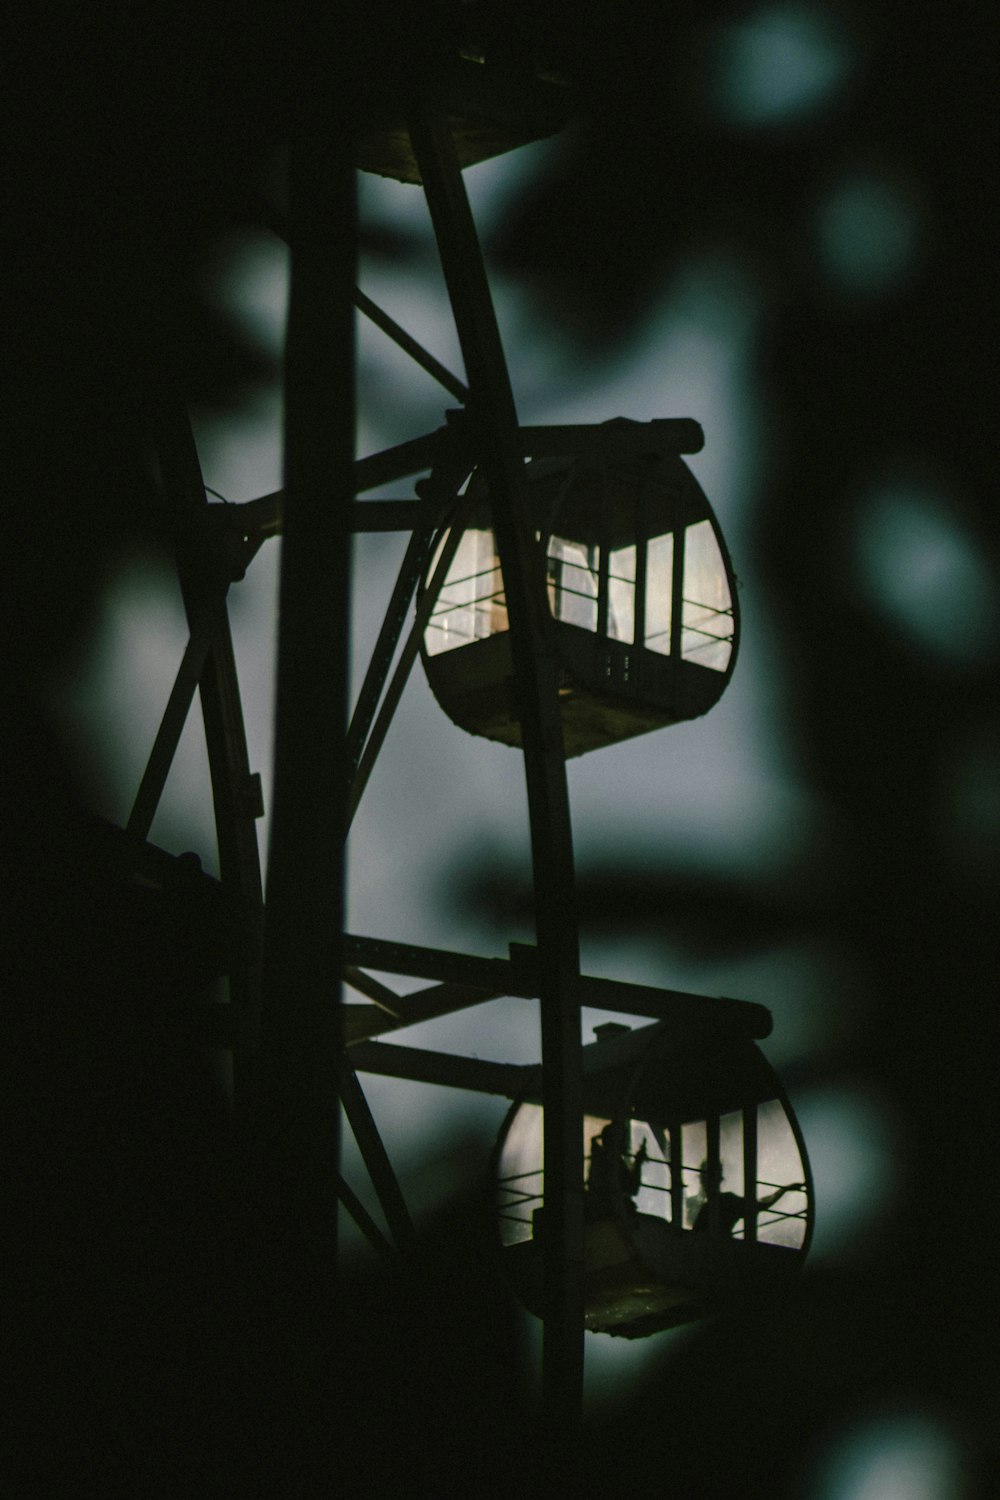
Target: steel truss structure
point(297, 1052)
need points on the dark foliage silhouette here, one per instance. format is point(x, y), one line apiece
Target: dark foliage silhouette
point(139, 1346)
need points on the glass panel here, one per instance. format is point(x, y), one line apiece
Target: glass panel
point(619, 1169)
point(780, 1178)
point(649, 1150)
point(702, 1182)
point(621, 594)
point(781, 1197)
point(707, 618)
point(471, 604)
point(615, 1169)
point(695, 1145)
point(659, 592)
point(572, 570)
point(519, 1174)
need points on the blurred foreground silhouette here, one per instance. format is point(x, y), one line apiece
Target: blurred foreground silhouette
point(142, 1352)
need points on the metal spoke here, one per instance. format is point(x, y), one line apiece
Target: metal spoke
point(363, 1219)
point(380, 994)
point(235, 790)
point(492, 408)
point(414, 561)
point(161, 756)
point(364, 1021)
point(409, 345)
point(375, 1157)
point(401, 675)
point(279, 225)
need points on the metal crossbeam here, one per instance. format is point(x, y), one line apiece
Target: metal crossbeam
point(404, 666)
point(518, 976)
point(618, 439)
point(363, 1021)
point(409, 345)
point(507, 1080)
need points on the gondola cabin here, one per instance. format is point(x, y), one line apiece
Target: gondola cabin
point(490, 108)
point(697, 1188)
point(640, 592)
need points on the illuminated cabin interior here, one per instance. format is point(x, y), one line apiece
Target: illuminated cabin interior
point(640, 590)
point(698, 1192)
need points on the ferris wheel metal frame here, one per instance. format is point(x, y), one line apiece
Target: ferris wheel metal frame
point(297, 1051)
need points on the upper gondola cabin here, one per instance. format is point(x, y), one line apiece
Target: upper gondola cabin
point(641, 594)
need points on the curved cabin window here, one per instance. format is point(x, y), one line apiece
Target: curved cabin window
point(779, 1191)
point(707, 617)
point(659, 593)
point(641, 577)
point(573, 572)
point(621, 594)
point(520, 1178)
point(706, 624)
point(665, 1174)
point(471, 604)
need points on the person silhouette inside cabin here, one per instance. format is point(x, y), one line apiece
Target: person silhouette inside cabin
point(729, 1207)
point(613, 1179)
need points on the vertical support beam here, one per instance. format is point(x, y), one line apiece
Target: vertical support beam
point(495, 432)
point(641, 564)
point(603, 563)
point(298, 1099)
point(750, 1173)
point(676, 1175)
point(203, 587)
point(714, 1165)
point(677, 591)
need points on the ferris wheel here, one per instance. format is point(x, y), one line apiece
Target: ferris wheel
point(564, 589)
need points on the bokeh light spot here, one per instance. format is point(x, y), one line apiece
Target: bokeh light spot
point(850, 1138)
point(894, 1457)
point(780, 65)
point(923, 572)
point(868, 233)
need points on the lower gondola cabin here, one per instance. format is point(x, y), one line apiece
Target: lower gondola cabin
point(698, 1194)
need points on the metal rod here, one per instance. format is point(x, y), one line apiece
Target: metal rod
point(413, 564)
point(280, 225)
point(675, 1129)
point(161, 756)
point(677, 592)
point(379, 994)
point(375, 1157)
point(398, 462)
point(522, 977)
point(606, 441)
point(298, 1107)
point(620, 438)
point(436, 492)
point(495, 428)
point(363, 1219)
point(409, 345)
point(203, 593)
point(713, 1164)
point(262, 518)
point(404, 666)
point(363, 1021)
point(420, 1065)
point(641, 565)
point(750, 1173)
